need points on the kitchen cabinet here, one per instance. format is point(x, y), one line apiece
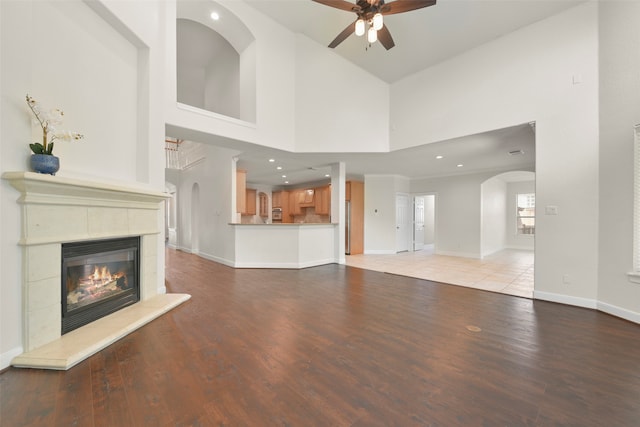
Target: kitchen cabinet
point(276, 199)
point(306, 198)
point(323, 200)
point(250, 204)
point(355, 218)
point(241, 189)
point(264, 204)
point(294, 202)
point(286, 208)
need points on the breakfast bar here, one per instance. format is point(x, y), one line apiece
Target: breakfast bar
point(297, 245)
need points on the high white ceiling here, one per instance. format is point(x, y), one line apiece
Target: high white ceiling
point(423, 38)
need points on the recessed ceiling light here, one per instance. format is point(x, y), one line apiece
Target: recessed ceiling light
point(272, 160)
point(460, 165)
point(439, 157)
point(327, 175)
point(284, 176)
point(279, 168)
point(286, 182)
point(215, 16)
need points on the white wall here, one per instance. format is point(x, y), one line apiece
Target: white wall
point(248, 83)
point(619, 37)
point(515, 240)
point(379, 214)
point(102, 63)
point(222, 85)
point(215, 176)
point(429, 219)
point(208, 69)
point(526, 76)
point(493, 216)
point(274, 109)
point(290, 116)
point(458, 212)
point(330, 90)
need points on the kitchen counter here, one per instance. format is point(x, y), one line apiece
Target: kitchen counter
point(278, 245)
point(287, 223)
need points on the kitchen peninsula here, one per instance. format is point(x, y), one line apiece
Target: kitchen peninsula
point(285, 245)
point(295, 228)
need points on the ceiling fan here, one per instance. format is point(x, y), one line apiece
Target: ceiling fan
point(371, 12)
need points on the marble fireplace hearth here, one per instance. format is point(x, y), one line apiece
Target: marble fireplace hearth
point(57, 210)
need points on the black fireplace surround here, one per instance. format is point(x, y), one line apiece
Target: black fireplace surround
point(99, 277)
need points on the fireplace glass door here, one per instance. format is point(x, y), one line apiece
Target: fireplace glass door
point(98, 278)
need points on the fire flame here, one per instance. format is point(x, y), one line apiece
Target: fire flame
point(103, 275)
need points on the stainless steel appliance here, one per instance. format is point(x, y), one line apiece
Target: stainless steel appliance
point(276, 214)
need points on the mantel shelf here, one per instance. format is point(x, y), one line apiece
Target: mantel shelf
point(46, 189)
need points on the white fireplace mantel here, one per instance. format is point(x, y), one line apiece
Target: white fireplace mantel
point(56, 210)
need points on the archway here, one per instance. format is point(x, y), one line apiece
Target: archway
point(216, 61)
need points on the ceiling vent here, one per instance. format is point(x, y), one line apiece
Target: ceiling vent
point(516, 152)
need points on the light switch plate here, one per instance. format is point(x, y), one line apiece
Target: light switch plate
point(551, 210)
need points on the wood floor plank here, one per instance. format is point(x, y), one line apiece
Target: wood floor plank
point(110, 404)
point(73, 406)
point(342, 346)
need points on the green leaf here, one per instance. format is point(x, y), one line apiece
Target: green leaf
point(37, 148)
point(49, 148)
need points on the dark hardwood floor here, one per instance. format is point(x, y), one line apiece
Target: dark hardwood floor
point(341, 346)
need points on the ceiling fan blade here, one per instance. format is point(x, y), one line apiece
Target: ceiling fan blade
point(384, 37)
point(340, 4)
point(400, 6)
point(351, 28)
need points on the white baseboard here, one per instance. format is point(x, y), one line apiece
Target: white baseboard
point(217, 259)
point(7, 357)
point(565, 299)
point(623, 313)
point(520, 248)
point(459, 254)
point(285, 265)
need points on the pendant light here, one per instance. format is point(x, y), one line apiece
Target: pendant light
point(372, 35)
point(377, 21)
point(359, 27)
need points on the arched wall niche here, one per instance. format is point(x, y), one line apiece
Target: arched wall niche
point(215, 61)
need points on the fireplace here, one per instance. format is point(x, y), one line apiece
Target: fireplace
point(99, 277)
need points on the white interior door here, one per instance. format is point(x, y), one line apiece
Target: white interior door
point(404, 224)
point(418, 223)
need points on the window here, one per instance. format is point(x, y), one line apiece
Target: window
point(526, 213)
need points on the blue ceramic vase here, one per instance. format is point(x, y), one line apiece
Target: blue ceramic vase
point(45, 163)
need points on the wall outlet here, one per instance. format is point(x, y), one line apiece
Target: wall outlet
point(566, 279)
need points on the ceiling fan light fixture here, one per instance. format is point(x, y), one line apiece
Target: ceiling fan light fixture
point(372, 35)
point(360, 27)
point(377, 21)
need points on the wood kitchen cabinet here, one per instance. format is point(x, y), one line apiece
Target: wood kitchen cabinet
point(294, 202)
point(355, 221)
point(307, 198)
point(250, 202)
point(241, 189)
point(286, 208)
point(323, 200)
point(263, 201)
point(276, 199)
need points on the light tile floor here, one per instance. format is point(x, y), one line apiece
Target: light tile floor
point(509, 271)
